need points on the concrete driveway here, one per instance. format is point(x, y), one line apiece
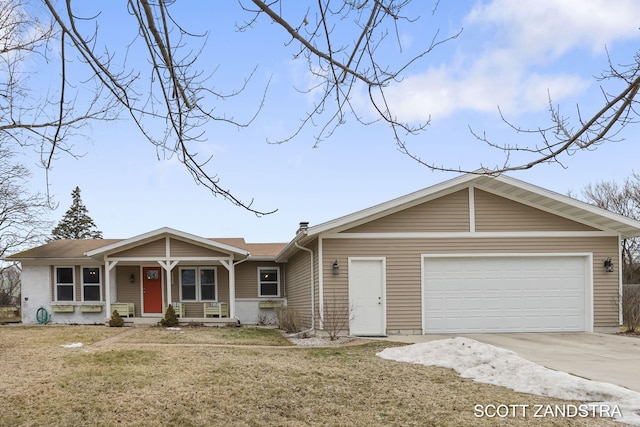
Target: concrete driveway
point(602, 357)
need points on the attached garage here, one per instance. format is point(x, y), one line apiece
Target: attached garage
point(475, 254)
point(507, 293)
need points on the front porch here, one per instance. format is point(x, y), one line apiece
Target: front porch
point(167, 267)
point(207, 281)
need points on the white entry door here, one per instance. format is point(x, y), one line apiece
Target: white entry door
point(367, 296)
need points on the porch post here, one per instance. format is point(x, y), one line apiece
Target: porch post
point(168, 289)
point(168, 266)
point(229, 265)
point(108, 266)
point(232, 288)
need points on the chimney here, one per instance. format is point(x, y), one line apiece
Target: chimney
point(303, 226)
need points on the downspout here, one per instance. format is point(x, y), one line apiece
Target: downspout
point(620, 284)
point(313, 291)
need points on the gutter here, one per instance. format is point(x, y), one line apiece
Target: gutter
point(284, 253)
point(313, 289)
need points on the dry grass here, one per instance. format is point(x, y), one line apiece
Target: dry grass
point(152, 377)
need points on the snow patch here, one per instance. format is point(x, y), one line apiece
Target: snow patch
point(74, 345)
point(494, 365)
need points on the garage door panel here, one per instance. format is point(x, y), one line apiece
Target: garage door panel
point(504, 294)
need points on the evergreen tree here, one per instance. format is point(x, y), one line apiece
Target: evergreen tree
point(76, 223)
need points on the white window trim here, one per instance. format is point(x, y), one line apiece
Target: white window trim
point(83, 284)
point(198, 284)
point(56, 284)
point(215, 284)
point(260, 282)
point(195, 284)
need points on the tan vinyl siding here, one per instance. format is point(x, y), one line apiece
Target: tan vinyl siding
point(247, 278)
point(157, 248)
point(127, 291)
point(184, 249)
point(403, 266)
point(447, 213)
point(299, 296)
point(495, 213)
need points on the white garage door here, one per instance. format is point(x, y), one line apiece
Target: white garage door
point(505, 294)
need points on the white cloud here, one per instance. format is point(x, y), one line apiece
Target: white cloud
point(553, 27)
point(514, 65)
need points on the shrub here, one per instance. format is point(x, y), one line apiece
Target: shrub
point(264, 319)
point(288, 319)
point(631, 307)
point(116, 320)
point(336, 316)
point(170, 319)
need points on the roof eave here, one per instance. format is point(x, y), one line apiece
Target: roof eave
point(49, 260)
point(626, 227)
point(261, 258)
point(301, 239)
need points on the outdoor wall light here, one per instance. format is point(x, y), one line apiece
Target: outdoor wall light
point(608, 265)
point(132, 279)
point(336, 268)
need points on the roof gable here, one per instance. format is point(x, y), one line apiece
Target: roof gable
point(510, 188)
point(447, 213)
point(558, 204)
point(589, 216)
point(153, 236)
point(496, 213)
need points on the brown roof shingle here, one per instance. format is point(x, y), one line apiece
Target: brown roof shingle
point(63, 249)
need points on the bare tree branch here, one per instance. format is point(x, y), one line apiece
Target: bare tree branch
point(625, 200)
point(561, 137)
point(342, 69)
point(176, 94)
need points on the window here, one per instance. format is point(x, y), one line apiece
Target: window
point(188, 284)
point(207, 284)
point(64, 284)
point(198, 284)
point(91, 283)
point(268, 282)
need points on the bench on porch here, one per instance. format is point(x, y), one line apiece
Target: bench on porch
point(220, 309)
point(125, 309)
point(178, 307)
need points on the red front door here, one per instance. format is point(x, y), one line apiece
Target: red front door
point(152, 289)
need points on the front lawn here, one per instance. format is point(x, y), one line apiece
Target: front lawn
point(234, 377)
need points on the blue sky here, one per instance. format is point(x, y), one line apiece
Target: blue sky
point(510, 54)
